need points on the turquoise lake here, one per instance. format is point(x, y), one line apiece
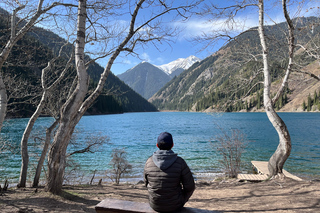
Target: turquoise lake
point(193, 135)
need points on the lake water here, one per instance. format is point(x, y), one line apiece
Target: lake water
point(193, 135)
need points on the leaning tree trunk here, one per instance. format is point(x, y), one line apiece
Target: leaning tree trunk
point(57, 157)
point(3, 102)
point(43, 154)
point(24, 142)
point(47, 90)
point(14, 37)
point(3, 92)
point(282, 153)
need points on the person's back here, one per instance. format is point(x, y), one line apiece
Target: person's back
point(168, 178)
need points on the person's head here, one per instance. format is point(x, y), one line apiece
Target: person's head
point(165, 141)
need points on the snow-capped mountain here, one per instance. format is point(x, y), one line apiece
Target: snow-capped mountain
point(179, 64)
point(146, 79)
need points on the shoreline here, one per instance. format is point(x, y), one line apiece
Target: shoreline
point(226, 195)
point(203, 178)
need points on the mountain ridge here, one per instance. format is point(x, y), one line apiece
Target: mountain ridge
point(173, 68)
point(121, 98)
point(146, 78)
point(214, 83)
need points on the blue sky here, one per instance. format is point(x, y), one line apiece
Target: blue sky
point(182, 46)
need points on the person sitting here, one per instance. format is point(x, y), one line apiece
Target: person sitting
point(167, 177)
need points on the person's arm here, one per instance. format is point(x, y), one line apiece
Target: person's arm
point(187, 182)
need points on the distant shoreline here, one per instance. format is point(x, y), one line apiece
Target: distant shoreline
point(262, 111)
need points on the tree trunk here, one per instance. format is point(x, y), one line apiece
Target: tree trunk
point(14, 37)
point(3, 102)
point(43, 153)
point(291, 46)
point(75, 107)
point(24, 142)
point(46, 92)
point(282, 153)
point(34, 117)
point(70, 111)
point(3, 92)
point(57, 159)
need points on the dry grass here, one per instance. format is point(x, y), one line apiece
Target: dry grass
point(223, 195)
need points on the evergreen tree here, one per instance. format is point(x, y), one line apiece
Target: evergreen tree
point(285, 98)
point(309, 103)
point(303, 105)
point(315, 98)
point(258, 100)
point(280, 102)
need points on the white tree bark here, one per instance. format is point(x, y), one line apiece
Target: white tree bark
point(291, 46)
point(47, 90)
point(69, 113)
point(43, 154)
point(25, 137)
point(76, 106)
point(283, 150)
point(14, 37)
point(3, 102)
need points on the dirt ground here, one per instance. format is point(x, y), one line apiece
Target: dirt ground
point(222, 196)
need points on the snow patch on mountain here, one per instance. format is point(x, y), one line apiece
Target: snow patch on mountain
point(180, 63)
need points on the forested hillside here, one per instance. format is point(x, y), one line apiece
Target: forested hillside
point(31, 54)
point(229, 80)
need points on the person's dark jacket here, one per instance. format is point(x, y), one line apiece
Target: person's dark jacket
point(169, 181)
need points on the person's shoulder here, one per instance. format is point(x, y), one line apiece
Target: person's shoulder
point(149, 163)
point(180, 160)
point(149, 160)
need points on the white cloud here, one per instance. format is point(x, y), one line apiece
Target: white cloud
point(127, 61)
point(145, 56)
point(159, 60)
point(198, 27)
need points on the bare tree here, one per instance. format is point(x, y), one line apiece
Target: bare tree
point(18, 29)
point(139, 32)
point(282, 153)
point(47, 90)
point(231, 146)
point(276, 162)
point(120, 165)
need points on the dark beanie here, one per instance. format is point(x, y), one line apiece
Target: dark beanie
point(165, 141)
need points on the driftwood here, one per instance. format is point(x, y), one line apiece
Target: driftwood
point(94, 173)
